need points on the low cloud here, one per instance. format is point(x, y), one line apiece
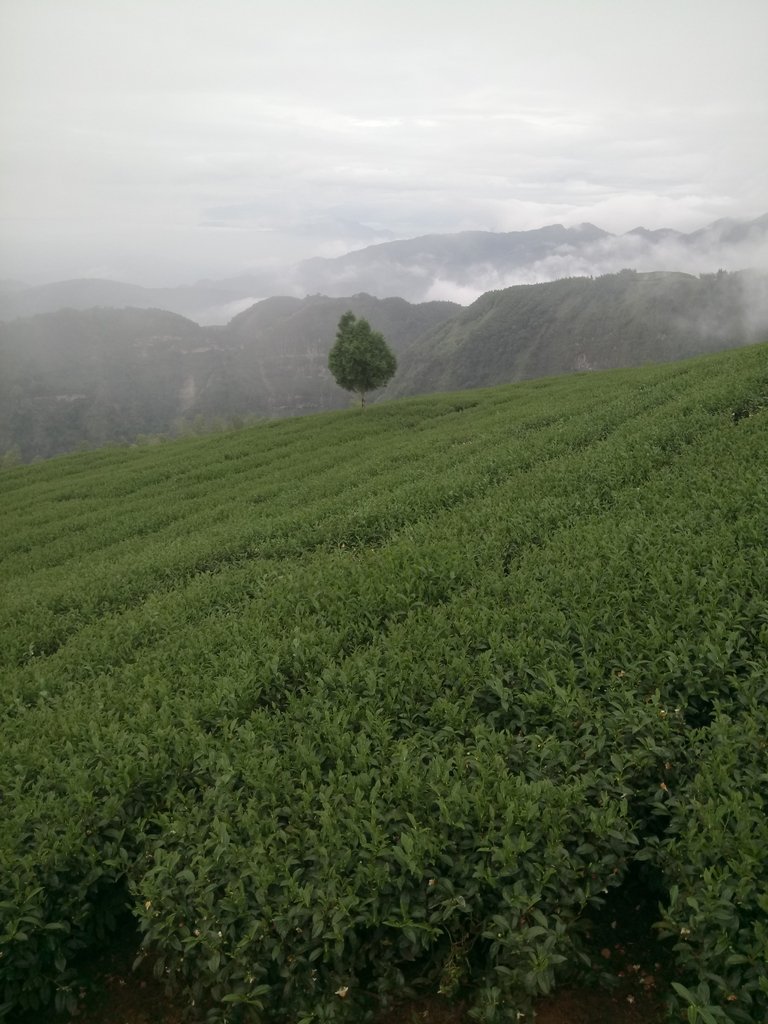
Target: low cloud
point(448, 269)
point(755, 293)
point(168, 145)
point(215, 315)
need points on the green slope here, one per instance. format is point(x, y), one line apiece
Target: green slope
point(625, 319)
point(349, 701)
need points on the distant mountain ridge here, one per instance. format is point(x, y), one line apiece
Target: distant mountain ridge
point(411, 265)
point(193, 301)
point(457, 267)
point(462, 266)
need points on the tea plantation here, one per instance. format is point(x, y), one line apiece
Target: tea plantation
point(358, 702)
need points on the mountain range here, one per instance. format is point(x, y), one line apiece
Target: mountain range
point(89, 377)
point(463, 266)
point(457, 267)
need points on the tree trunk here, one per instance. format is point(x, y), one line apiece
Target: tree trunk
point(362, 399)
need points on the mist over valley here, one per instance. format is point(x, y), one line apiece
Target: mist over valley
point(78, 378)
point(454, 267)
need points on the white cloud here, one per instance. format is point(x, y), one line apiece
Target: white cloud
point(125, 124)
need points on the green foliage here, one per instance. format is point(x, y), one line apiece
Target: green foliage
point(360, 360)
point(343, 708)
point(717, 911)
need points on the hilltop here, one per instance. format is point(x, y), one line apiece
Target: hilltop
point(345, 706)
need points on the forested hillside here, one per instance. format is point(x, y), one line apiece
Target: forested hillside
point(92, 377)
point(577, 324)
point(349, 705)
point(96, 376)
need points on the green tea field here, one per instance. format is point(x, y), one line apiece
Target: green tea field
point(362, 704)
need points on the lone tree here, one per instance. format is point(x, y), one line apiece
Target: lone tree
point(360, 360)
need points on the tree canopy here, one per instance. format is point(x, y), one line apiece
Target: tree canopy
point(360, 360)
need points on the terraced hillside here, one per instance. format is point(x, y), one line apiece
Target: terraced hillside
point(352, 703)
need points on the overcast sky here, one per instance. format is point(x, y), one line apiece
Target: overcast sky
point(159, 141)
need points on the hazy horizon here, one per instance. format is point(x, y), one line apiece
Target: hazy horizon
point(164, 142)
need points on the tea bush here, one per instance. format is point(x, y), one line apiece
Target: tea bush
point(344, 708)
